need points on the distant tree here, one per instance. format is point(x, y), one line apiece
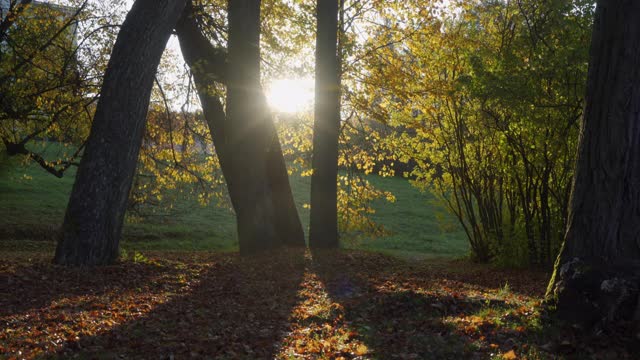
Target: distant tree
point(597, 275)
point(10, 11)
point(43, 87)
point(323, 232)
point(94, 217)
point(209, 67)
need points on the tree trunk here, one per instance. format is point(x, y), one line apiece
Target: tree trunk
point(288, 225)
point(208, 65)
point(251, 134)
point(93, 222)
point(597, 274)
point(323, 231)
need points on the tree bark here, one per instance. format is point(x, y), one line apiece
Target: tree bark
point(93, 222)
point(597, 274)
point(251, 137)
point(208, 65)
point(323, 232)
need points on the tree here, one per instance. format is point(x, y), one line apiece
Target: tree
point(10, 11)
point(323, 232)
point(484, 99)
point(43, 86)
point(209, 66)
point(95, 213)
point(597, 274)
point(251, 136)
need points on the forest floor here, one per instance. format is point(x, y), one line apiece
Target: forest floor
point(335, 305)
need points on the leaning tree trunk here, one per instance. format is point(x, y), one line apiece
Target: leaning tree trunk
point(323, 232)
point(250, 132)
point(96, 209)
point(208, 66)
point(597, 274)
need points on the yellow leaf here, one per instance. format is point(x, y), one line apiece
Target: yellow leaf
point(313, 346)
point(511, 355)
point(361, 350)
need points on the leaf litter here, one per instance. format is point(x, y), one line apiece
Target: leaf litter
point(291, 305)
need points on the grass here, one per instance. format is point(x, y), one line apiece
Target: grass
point(419, 226)
point(33, 204)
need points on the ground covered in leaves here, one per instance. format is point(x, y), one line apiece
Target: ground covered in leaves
point(337, 305)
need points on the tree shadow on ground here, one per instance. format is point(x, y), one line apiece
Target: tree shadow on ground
point(222, 306)
point(40, 284)
point(391, 314)
point(238, 309)
point(440, 316)
point(527, 282)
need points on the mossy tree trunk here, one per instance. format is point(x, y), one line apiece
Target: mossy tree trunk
point(597, 275)
point(93, 222)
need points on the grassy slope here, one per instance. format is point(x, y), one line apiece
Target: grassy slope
point(33, 203)
point(32, 206)
point(419, 226)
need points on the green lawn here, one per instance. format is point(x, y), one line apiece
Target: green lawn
point(33, 202)
point(419, 226)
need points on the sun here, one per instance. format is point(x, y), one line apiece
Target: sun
point(290, 95)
